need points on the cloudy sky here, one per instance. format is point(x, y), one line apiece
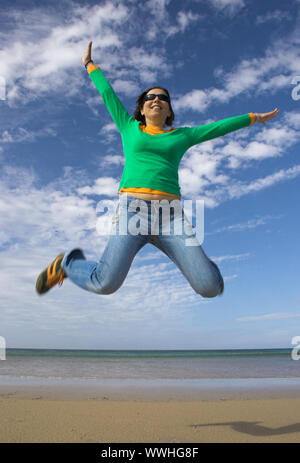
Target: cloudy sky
point(60, 155)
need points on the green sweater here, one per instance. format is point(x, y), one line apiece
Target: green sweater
point(152, 161)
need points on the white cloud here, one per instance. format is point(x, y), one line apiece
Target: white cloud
point(274, 15)
point(106, 186)
point(147, 64)
point(45, 49)
point(110, 127)
point(240, 189)
point(228, 6)
point(278, 136)
point(205, 169)
point(70, 315)
point(274, 83)
point(230, 257)
point(160, 22)
point(230, 277)
point(37, 223)
point(35, 227)
point(292, 119)
point(127, 87)
point(233, 189)
point(33, 216)
point(184, 20)
point(45, 54)
point(94, 103)
point(112, 160)
point(25, 135)
point(39, 58)
point(198, 100)
point(159, 8)
point(109, 132)
point(250, 224)
point(254, 150)
point(270, 316)
point(271, 72)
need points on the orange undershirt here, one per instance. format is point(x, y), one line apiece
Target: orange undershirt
point(151, 130)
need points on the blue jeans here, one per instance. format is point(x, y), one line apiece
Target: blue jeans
point(136, 223)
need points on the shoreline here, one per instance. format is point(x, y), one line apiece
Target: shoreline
point(149, 390)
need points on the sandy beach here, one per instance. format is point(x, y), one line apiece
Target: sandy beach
point(149, 397)
point(101, 420)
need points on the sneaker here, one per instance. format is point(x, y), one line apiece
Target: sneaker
point(51, 276)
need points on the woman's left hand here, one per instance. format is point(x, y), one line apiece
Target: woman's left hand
point(263, 117)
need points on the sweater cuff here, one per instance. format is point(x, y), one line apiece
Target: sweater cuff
point(92, 68)
point(252, 117)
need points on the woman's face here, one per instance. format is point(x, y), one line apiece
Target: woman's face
point(156, 110)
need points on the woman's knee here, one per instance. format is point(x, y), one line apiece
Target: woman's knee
point(106, 285)
point(210, 287)
point(211, 291)
point(106, 288)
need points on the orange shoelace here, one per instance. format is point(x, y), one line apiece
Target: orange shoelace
point(61, 278)
point(54, 277)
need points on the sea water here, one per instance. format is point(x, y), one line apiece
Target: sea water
point(150, 364)
point(211, 373)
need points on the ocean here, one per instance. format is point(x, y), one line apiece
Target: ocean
point(176, 370)
point(149, 364)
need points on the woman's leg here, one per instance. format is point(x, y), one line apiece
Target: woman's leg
point(202, 273)
point(107, 275)
point(125, 240)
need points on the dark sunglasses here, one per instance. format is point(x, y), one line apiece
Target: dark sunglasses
point(161, 96)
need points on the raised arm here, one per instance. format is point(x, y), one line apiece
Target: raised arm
point(115, 107)
point(220, 128)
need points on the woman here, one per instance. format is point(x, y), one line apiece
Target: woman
point(152, 156)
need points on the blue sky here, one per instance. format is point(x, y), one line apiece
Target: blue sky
point(60, 154)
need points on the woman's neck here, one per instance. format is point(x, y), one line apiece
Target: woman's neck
point(157, 124)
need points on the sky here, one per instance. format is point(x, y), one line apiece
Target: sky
point(60, 154)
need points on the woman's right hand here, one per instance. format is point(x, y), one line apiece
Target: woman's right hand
point(87, 54)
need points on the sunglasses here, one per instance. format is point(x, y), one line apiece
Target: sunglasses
point(161, 96)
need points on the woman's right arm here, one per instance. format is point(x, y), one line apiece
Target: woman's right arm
point(115, 107)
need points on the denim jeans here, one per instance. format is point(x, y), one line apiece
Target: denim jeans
point(136, 223)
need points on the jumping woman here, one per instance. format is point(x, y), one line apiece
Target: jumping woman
point(152, 156)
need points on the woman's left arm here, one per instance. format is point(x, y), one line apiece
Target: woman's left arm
point(217, 129)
